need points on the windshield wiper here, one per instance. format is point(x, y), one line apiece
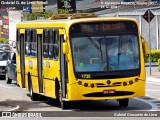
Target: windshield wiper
point(98, 47)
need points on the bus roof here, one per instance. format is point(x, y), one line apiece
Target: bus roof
point(67, 22)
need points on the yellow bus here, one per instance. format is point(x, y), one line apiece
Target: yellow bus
point(82, 57)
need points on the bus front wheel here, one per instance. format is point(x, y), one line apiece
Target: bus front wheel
point(123, 102)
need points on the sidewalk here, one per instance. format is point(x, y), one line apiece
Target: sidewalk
point(155, 75)
point(154, 71)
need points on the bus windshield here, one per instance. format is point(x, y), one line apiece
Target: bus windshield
point(105, 48)
point(105, 53)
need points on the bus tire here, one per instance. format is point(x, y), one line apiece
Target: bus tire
point(57, 87)
point(123, 102)
point(8, 80)
point(33, 96)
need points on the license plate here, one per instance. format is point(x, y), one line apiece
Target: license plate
point(109, 91)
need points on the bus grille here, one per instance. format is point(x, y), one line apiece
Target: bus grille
point(100, 94)
point(106, 85)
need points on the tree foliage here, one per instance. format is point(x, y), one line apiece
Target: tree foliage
point(35, 16)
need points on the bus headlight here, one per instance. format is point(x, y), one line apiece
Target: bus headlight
point(86, 84)
point(124, 83)
point(136, 80)
point(131, 82)
point(79, 82)
point(92, 85)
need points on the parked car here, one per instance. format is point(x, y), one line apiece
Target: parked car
point(11, 68)
point(5, 47)
point(3, 61)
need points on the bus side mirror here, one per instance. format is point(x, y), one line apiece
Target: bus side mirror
point(144, 45)
point(65, 48)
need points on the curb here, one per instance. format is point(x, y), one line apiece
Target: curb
point(12, 109)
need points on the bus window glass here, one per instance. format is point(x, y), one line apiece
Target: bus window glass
point(55, 47)
point(33, 43)
point(105, 47)
point(53, 44)
point(45, 43)
point(51, 41)
point(105, 53)
point(27, 42)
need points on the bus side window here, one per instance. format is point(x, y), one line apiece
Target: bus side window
point(53, 44)
point(33, 43)
point(45, 43)
point(27, 42)
point(55, 51)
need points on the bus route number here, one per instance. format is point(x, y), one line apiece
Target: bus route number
point(86, 76)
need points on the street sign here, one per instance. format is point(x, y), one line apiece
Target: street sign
point(66, 6)
point(148, 16)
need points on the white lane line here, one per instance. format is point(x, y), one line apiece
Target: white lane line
point(151, 90)
point(157, 83)
point(6, 86)
point(150, 79)
point(154, 106)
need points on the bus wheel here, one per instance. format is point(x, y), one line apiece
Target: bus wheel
point(33, 96)
point(123, 102)
point(8, 81)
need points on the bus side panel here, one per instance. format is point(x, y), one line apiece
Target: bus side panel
point(48, 83)
point(50, 73)
point(49, 89)
point(35, 84)
point(34, 74)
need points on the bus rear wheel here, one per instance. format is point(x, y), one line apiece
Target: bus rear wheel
point(123, 102)
point(33, 96)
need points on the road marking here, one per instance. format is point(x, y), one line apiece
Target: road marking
point(14, 109)
point(152, 90)
point(154, 106)
point(150, 79)
point(5, 86)
point(157, 83)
